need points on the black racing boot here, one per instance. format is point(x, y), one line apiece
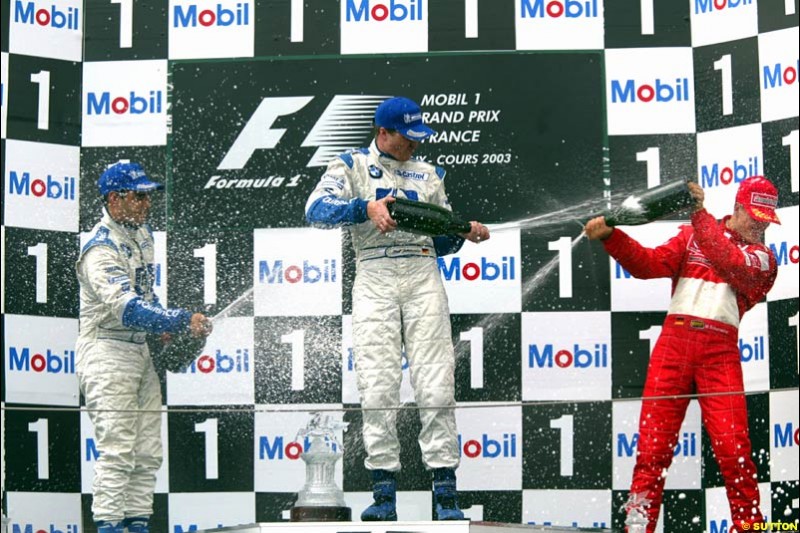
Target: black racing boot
point(445, 496)
point(384, 492)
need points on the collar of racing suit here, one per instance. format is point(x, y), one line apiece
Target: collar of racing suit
point(736, 238)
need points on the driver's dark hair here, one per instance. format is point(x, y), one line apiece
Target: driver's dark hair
point(376, 129)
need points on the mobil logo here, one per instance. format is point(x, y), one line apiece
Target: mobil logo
point(278, 448)
point(21, 183)
point(630, 91)
point(393, 10)
point(721, 174)
point(221, 363)
point(488, 447)
point(47, 15)
point(351, 360)
point(780, 74)
point(50, 528)
point(686, 446)
point(785, 253)
point(191, 16)
point(306, 272)
point(709, 6)
point(484, 269)
point(559, 8)
point(547, 356)
point(50, 362)
point(91, 453)
point(104, 103)
point(752, 351)
point(786, 435)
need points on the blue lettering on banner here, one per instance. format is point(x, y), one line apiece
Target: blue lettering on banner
point(53, 188)
point(394, 10)
point(685, 447)
point(49, 362)
point(715, 175)
point(707, 6)
point(555, 9)
point(752, 352)
point(778, 75)
point(53, 528)
point(190, 17)
point(577, 358)
point(91, 450)
point(103, 104)
point(785, 254)
point(309, 273)
point(489, 448)
point(786, 436)
point(27, 13)
point(627, 91)
point(486, 270)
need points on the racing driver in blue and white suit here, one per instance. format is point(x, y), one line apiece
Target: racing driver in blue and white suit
point(114, 369)
point(398, 300)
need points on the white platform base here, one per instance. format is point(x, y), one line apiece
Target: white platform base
point(463, 526)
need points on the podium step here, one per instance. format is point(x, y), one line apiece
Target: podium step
point(462, 526)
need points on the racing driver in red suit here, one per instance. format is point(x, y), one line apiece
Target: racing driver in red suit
point(719, 270)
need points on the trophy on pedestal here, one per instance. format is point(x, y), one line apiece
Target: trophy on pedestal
point(320, 500)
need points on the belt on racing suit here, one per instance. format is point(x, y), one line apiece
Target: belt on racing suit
point(695, 324)
point(124, 335)
point(396, 251)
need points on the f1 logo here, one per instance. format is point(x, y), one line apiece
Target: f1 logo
point(257, 133)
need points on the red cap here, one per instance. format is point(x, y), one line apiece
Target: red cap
point(760, 197)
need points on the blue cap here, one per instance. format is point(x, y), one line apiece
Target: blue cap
point(122, 176)
point(403, 115)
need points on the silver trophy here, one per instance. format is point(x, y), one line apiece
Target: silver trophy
point(320, 500)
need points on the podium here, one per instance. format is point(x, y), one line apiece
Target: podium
point(460, 526)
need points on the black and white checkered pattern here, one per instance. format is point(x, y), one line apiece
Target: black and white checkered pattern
point(547, 113)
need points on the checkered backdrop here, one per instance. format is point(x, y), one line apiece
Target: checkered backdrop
point(547, 112)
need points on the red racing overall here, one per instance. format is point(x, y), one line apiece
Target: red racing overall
point(716, 278)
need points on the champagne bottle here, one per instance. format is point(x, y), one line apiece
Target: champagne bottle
point(179, 352)
point(652, 204)
point(426, 219)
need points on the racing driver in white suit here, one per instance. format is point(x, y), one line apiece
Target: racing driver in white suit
point(398, 301)
point(116, 375)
